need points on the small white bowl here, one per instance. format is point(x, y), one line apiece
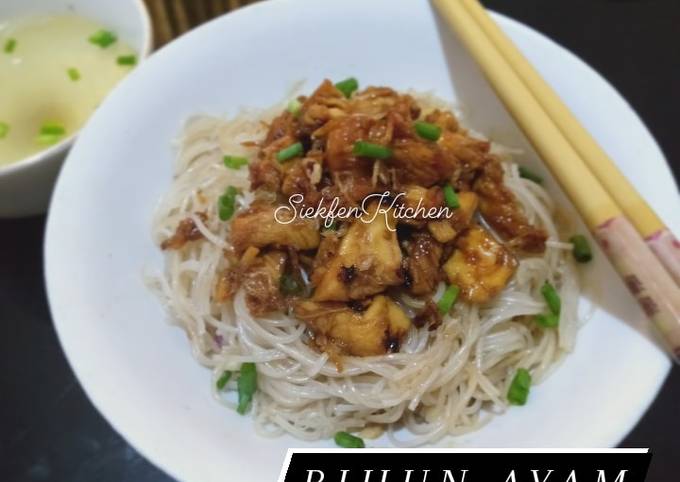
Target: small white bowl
point(26, 185)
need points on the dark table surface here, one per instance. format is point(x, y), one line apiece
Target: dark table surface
point(49, 430)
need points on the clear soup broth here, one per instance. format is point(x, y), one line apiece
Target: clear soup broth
point(54, 72)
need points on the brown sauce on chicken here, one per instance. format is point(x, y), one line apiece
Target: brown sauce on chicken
point(344, 282)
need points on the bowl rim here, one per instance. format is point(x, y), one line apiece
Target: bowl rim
point(64, 145)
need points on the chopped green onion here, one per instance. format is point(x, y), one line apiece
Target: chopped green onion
point(290, 152)
point(368, 149)
point(234, 162)
point(290, 286)
point(581, 249)
point(519, 388)
point(50, 133)
point(428, 131)
point(4, 129)
point(10, 45)
point(526, 173)
point(52, 128)
point(549, 320)
point(349, 441)
point(294, 107)
point(247, 385)
point(347, 86)
point(103, 38)
point(448, 299)
point(552, 298)
point(223, 380)
point(226, 204)
point(73, 74)
point(451, 197)
point(127, 60)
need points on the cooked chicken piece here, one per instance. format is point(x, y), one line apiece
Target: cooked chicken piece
point(442, 230)
point(445, 230)
point(261, 280)
point(419, 203)
point(340, 135)
point(328, 249)
point(374, 331)
point(469, 153)
point(260, 277)
point(258, 226)
point(423, 255)
point(375, 113)
point(382, 131)
point(186, 231)
point(230, 280)
point(324, 104)
point(426, 163)
point(415, 195)
point(480, 266)
point(296, 180)
point(368, 260)
point(265, 174)
point(462, 216)
point(302, 177)
point(376, 102)
point(500, 209)
point(227, 284)
point(284, 125)
point(446, 120)
point(420, 162)
point(352, 187)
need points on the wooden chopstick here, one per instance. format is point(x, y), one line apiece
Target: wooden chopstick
point(643, 274)
point(648, 224)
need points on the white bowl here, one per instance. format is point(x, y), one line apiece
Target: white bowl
point(139, 371)
point(26, 185)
